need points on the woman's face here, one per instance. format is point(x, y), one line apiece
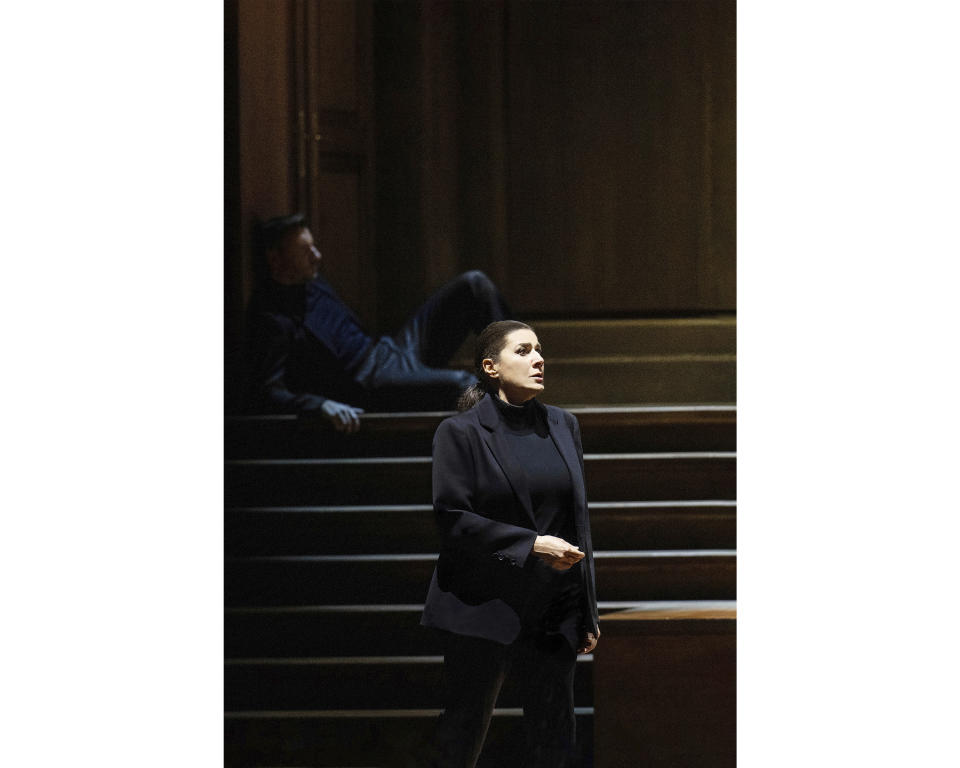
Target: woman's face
point(519, 369)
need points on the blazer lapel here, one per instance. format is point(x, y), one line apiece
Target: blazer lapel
point(503, 453)
point(563, 439)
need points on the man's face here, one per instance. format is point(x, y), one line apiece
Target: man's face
point(296, 259)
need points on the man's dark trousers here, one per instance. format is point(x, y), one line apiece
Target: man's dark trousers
point(405, 370)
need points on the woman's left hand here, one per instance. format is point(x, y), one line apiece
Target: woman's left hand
point(588, 644)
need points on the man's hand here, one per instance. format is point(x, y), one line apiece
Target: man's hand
point(588, 643)
point(345, 418)
point(557, 553)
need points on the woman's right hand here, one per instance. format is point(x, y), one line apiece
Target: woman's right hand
point(557, 553)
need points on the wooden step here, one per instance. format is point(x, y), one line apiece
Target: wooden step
point(407, 480)
point(641, 380)
point(563, 338)
point(649, 525)
point(358, 682)
point(367, 630)
point(353, 579)
point(665, 689)
point(412, 528)
point(614, 429)
point(288, 436)
point(365, 738)
point(635, 361)
point(652, 429)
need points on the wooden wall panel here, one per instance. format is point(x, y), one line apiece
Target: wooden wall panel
point(582, 153)
point(717, 283)
point(399, 255)
point(233, 276)
point(439, 168)
point(337, 70)
point(335, 124)
point(267, 158)
point(441, 204)
point(482, 148)
point(338, 228)
point(304, 103)
point(616, 126)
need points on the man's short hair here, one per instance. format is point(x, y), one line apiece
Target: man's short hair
point(274, 230)
point(267, 236)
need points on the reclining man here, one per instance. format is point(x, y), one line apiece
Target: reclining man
point(310, 353)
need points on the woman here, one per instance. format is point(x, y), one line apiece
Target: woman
point(514, 583)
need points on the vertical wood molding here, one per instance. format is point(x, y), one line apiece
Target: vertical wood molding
point(367, 305)
point(481, 140)
point(331, 122)
point(400, 264)
point(233, 270)
point(264, 179)
point(296, 121)
point(439, 183)
point(298, 76)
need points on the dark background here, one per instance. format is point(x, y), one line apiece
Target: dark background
point(581, 153)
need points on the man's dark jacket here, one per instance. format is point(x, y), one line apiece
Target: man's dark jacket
point(487, 525)
point(295, 353)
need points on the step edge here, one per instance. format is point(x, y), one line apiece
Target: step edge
point(418, 607)
point(399, 508)
point(667, 455)
point(431, 556)
point(287, 714)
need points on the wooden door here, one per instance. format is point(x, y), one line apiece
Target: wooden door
point(298, 137)
point(334, 139)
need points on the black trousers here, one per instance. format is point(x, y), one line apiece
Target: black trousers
point(474, 670)
point(403, 371)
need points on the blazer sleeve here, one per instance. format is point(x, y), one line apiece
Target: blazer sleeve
point(462, 528)
point(590, 609)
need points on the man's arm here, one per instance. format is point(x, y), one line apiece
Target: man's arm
point(271, 345)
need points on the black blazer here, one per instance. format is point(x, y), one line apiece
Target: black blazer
point(487, 525)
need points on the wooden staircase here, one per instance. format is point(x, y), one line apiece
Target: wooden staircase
point(330, 544)
point(637, 362)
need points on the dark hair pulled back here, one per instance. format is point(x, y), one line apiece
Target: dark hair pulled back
point(490, 342)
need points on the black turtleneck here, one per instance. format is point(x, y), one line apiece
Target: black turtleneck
point(553, 603)
point(551, 489)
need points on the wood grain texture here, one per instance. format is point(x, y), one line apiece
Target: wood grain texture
point(665, 690)
point(581, 153)
point(615, 129)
